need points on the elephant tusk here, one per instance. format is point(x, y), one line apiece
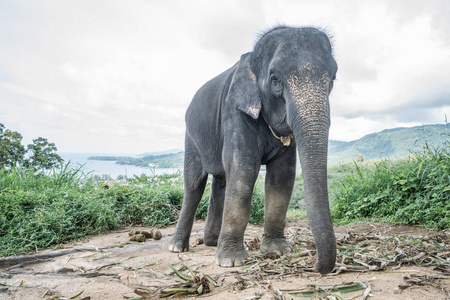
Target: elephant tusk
point(286, 140)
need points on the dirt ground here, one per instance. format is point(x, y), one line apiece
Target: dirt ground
point(111, 267)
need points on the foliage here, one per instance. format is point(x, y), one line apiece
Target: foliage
point(38, 210)
point(41, 209)
point(41, 154)
point(334, 173)
point(415, 190)
point(11, 149)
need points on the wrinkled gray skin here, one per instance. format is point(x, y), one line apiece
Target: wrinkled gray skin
point(285, 83)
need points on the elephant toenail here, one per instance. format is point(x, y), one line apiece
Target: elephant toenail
point(238, 262)
point(226, 262)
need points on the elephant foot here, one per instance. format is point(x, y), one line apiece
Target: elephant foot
point(231, 256)
point(278, 245)
point(210, 239)
point(179, 244)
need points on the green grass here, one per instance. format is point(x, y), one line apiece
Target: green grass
point(414, 190)
point(43, 210)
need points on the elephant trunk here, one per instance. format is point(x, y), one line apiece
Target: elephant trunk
point(309, 117)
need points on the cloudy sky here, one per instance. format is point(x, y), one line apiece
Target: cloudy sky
point(117, 76)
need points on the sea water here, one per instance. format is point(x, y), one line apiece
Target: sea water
point(110, 168)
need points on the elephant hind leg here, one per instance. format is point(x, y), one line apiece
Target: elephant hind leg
point(194, 185)
point(215, 211)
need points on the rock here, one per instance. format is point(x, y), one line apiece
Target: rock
point(156, 234)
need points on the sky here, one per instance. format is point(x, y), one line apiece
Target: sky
point(103, 76)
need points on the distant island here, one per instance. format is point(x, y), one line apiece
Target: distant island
point(172, 159)
point(389, 143)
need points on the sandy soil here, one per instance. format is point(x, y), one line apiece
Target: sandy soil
point(117, 267)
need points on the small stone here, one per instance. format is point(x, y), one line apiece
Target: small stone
point(156, 234)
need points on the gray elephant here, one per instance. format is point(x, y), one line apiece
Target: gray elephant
point(258, 112)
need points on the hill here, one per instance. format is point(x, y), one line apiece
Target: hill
point(172, 160)
point(389, 143)
point(170, 151)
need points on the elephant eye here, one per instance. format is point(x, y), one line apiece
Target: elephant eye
point(276, 85)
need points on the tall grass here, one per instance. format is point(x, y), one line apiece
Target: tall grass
point(415, 190)
point(42, 210)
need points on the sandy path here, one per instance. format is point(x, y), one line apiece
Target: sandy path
point(125, 265)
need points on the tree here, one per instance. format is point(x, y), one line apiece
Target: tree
point(11, 150)
point(42, 155)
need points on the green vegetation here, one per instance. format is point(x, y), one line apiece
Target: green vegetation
point(415, 190)
point(45, 209)
point(37, 156)
point(41, 209)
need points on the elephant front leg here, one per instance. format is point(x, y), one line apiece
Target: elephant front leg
point(279, 184)
point(238, 194)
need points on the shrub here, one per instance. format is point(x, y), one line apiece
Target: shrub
point(415, 190)
point(39, 210)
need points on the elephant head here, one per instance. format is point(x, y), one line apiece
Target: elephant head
point(287, 79)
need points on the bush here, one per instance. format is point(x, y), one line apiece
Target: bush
point(415, 190)
point(38, 210)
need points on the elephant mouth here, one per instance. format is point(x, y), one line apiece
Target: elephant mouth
point(281, 128)
point(286, 140)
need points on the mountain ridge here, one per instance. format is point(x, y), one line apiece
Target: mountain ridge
point(389, 143)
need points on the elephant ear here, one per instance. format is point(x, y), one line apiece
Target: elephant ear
point(243, 92)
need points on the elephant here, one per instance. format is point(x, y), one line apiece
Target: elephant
point(272, 103)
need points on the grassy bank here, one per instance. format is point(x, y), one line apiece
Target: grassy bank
point(38, 210)
point(414, 190)
point(43, 210)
